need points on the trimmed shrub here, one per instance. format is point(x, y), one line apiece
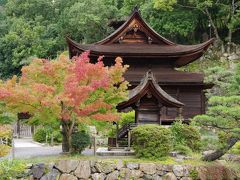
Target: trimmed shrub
point(186, 135)
point(5, 139)
point(11, 169)
point(4, 150)
point(151, 141)
point(40, 135)
point(80, 140)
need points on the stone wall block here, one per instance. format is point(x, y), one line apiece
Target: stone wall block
point(119, 164)
point(83, 170)
point(180, 171)
point(67, 166)
point(125, 173)
point(113, 175)
point(156, 177)
point(98, 176)
point(52, 175)
point(131, 165)
point(186, 178)
point(147, 177)
point(148, 168)
point(136, 174)
point(169, 176)
point(38, 170)
point(105, 167)
point(68, 177)
point(168, 167)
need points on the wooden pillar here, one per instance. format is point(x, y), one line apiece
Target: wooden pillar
point(160, 121)
point(18, 128)
point(129, 139)
point(180, 113)
point(136, 112)
point(159, 113)
point(117, 129)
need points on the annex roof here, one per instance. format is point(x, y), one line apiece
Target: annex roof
point(149, 85)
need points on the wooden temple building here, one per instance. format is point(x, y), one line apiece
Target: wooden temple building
point(163, 93)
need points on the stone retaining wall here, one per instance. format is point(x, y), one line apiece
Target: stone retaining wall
point(113, 170)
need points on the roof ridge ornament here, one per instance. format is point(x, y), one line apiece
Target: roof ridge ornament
point(149, 74)
point(136, 8)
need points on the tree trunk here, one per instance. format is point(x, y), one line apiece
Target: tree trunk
point(220, 152)
point(65, 138)
point(67, 130)
point(229, 41)
point(215, 30)
point(231, 14)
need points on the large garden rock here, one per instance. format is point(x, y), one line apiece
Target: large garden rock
point(125, 173)
point(169, 176)
point(67, 166)
point(148, 168)
point(68, 177)
point(136, 174)
point(180, 171)
point(52, 175)
point(131, 165)
point(113, 175)
point(38, 170)
point(98, 176)
point(105, 167)
point(83, 170)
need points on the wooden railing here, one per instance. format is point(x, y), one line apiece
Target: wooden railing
point(124, 130)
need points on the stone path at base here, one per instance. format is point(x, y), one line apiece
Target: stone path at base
point(27, 148)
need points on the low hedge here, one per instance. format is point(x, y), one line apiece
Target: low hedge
point(151, 141)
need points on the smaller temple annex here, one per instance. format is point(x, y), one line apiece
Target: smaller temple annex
point(158, 93)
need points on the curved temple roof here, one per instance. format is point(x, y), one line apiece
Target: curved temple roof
point(149, 84)
point(135, 38)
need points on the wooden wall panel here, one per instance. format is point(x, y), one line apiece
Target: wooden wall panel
point(191, 96)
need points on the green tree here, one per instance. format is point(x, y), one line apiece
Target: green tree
point(220, 14)
point(22, 42)
point(179, 24)
point(223, 115)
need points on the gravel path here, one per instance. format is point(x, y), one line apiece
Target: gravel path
point(27, 148)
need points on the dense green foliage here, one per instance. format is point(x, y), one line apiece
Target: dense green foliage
point(127, 118)
point(186, 135)
point(42, 135)
point(6, 139)
point(11, 169)
point(151, 141)
point(80, 140)
point(223, 114)
point(236, 148)
point(30, 28)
